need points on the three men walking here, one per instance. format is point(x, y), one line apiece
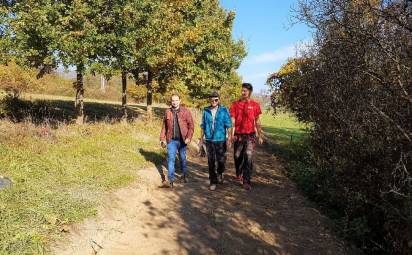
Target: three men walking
point(217, 132)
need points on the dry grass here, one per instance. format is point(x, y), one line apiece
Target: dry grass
point(60, 173)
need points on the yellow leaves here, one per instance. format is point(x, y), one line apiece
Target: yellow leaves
point(192, 35)
point(15, 79)
point(290, 67)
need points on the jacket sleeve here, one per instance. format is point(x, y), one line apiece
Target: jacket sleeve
point(228, 121)
point(163, 132)
point(202, 123)
point(190, 125)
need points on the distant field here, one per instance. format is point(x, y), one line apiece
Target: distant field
point(283, 128)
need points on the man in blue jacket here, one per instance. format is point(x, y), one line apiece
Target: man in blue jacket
point(216, 125)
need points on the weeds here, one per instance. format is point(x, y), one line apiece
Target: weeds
point(60, 173)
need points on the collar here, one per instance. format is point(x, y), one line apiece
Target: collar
point(209, 108)
point(175, 110)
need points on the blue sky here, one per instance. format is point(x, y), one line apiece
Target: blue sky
point(271, 39)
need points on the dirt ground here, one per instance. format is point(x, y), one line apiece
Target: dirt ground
point(144, 218)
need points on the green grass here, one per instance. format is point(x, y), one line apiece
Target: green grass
point(283, 128)
point(288, 140)
point(59, 174)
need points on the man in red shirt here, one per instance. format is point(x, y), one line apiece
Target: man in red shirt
point(245, 117)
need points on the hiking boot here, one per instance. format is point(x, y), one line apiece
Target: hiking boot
point(171, 185)
point(184, 179)
point(212, 187)
point(247, 186)
point(239, 178)
point(220, 178)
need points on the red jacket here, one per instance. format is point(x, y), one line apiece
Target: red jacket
point(186, 124)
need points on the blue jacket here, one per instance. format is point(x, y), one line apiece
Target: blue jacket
point(222, 122)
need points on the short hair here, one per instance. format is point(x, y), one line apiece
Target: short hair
point(248, 86)
point(214, 94)
point(174, 95)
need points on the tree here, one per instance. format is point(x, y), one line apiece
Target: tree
point(212, 52)
point(78, 42)
point(28, 34)
point(47, 33)
point(119, 23)
point(187, 46)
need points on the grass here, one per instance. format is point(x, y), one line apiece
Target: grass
point(61, 171)
point(286, 136)
point(283, 128)
point(288, 140)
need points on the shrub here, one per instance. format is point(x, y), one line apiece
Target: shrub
point(15, 79)
point(354, 85)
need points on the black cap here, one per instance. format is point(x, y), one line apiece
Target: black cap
point(214, 94)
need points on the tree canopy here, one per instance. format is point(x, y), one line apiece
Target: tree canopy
point(184, 46)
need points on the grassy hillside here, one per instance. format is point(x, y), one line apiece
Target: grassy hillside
point(59, 171)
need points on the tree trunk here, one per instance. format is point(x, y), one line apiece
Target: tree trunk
point(124, 97)
point(149, 99)
point(135, 74)
point(102, 83)
point(78, 103)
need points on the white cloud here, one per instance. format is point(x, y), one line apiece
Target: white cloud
point(275, 56)
point(256, 76)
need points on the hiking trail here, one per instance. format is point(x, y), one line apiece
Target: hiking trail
point(144, 218)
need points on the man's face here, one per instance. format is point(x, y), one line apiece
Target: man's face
point(175, 101)
point(214, 101)
point(245, 93)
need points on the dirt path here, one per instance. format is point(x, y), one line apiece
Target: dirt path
point(273, 218)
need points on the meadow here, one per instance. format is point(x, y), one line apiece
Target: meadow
point(61, 171)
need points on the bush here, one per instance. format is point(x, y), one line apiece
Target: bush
point(15, 79)
point(354, 86)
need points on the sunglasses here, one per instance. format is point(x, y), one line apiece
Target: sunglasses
point(214, 100)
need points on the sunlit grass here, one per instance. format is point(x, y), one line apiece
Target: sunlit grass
point(283, 128)
point(60, 174)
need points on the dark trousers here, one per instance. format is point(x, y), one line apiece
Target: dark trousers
point(244, 146)
point(215, 154)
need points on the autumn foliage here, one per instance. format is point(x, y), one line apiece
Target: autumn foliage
point(354, 86)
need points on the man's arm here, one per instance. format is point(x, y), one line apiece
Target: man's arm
point(259, 130)
point(202, 133)
point(163, 132)
point(232, 131)
point(190, 127)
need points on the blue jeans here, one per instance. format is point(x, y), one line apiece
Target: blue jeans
point(172, 147)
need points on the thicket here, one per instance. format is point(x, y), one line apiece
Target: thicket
point(354, 86)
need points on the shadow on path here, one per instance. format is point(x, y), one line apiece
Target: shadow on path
point(273, 218)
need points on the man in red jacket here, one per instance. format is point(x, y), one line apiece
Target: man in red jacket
point(245, 118)
point(176, 134)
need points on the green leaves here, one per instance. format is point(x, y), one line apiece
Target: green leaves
point(187, 40)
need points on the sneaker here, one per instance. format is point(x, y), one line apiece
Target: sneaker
point(247, 186)
point(239, 178)
point(164, 183)
point(184, 179)
point(220, 178)
point(212, 187)
point(171, 185)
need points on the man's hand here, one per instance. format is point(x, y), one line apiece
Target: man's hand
point(187, 141)
point(163, 144)
point(229, 142)
point(260, 140)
